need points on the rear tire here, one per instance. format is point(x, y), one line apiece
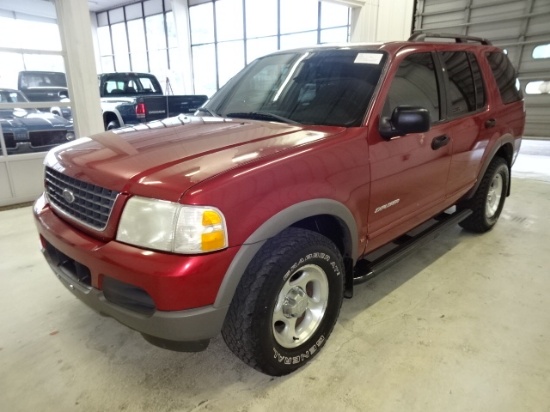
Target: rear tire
point(113, 124)
point(287, 302)
point(488, 200)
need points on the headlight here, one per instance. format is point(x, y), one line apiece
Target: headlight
point(69, 136)
point(172, 227)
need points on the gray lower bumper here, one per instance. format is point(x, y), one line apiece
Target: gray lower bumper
point(186, 330)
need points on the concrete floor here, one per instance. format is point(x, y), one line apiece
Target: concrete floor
point(463, 325)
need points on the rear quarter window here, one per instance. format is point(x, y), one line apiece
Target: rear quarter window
point(505, 76)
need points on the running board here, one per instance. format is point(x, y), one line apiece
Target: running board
point(406, 244)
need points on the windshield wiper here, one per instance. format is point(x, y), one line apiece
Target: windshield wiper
point(261, 116)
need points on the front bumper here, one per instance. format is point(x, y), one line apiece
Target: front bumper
point(183, 288)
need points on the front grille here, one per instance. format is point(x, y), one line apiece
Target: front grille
point(9, 140)
point(87, 203)
point(48, 138)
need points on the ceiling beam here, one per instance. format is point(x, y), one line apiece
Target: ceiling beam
point(349, 3)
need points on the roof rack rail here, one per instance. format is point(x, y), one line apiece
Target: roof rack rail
point(459, 38)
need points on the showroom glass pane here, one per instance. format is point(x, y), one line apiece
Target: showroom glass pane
point(116, 15)
point(167, 5)
point(229, 19)
point(120, 42)
point(171, 29)
point(152, 7)
point(156, 38)
point(9, 72)
point(136, 35)
point(7, 29)
point(292, 41)
point(122, 63)
point(334, 35)
point(158, 62)
point(261, 18)
point(139, 62)
point(333, 15)
point(299, 15)
point(176, 72)
point(204, 69)
point(102, 19)
point(104, 40)
point(133, 11)
point(202, 23)
point(44, 62)
point(230, 60)
point(107, 64)
point(26, 34)
point(260, 47)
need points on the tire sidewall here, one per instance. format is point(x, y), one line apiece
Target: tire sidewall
point(502, 170)
point(284, 360)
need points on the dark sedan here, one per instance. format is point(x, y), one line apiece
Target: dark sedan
point(29, 130)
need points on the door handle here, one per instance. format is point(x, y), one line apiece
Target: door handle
point(440, 141)
point(490, 123)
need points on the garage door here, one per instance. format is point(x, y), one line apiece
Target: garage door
point(520, 27)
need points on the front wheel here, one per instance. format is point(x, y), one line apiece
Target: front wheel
point(488, 200)
point(287, 302)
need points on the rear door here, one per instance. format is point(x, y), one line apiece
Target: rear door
point(468, 114)
point(409, 173)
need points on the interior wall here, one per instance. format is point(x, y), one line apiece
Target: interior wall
point(382, 21)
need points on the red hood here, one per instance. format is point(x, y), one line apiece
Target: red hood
point(163, 159)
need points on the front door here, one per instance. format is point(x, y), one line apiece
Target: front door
point(409, 172)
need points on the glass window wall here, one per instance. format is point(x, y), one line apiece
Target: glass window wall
point(225, 36)
point(248, 29)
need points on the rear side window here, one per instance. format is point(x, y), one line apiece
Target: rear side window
point(505, 76)
point(465, 91)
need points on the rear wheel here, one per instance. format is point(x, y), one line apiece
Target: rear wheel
point(287, 302)
point(488, 201)
point(113, 124)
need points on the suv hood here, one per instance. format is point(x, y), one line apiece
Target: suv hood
point(163, 159)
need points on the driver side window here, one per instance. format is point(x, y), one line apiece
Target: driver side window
point(414, 84)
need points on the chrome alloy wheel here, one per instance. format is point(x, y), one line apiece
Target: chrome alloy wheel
point(300, 306)
point(493, 196)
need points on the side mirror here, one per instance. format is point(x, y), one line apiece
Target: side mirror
point(404, 120)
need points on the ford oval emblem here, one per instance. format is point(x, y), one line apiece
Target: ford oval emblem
point(68, 196)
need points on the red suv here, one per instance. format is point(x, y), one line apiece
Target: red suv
point(256, 217)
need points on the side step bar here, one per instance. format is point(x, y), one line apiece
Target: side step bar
point(405, 245)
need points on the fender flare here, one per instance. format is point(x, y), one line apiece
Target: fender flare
point(271, 228)
point(117, 115)
point(505, 139)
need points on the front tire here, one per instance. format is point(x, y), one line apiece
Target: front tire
point(488, 200)
point(287, 302)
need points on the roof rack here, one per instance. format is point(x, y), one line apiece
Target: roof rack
point(458, 38)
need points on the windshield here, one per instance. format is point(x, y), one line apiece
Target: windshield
point(322, 87)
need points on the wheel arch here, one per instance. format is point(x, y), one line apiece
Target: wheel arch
point(109, 116)
point(325, 216)
point(505, 149)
